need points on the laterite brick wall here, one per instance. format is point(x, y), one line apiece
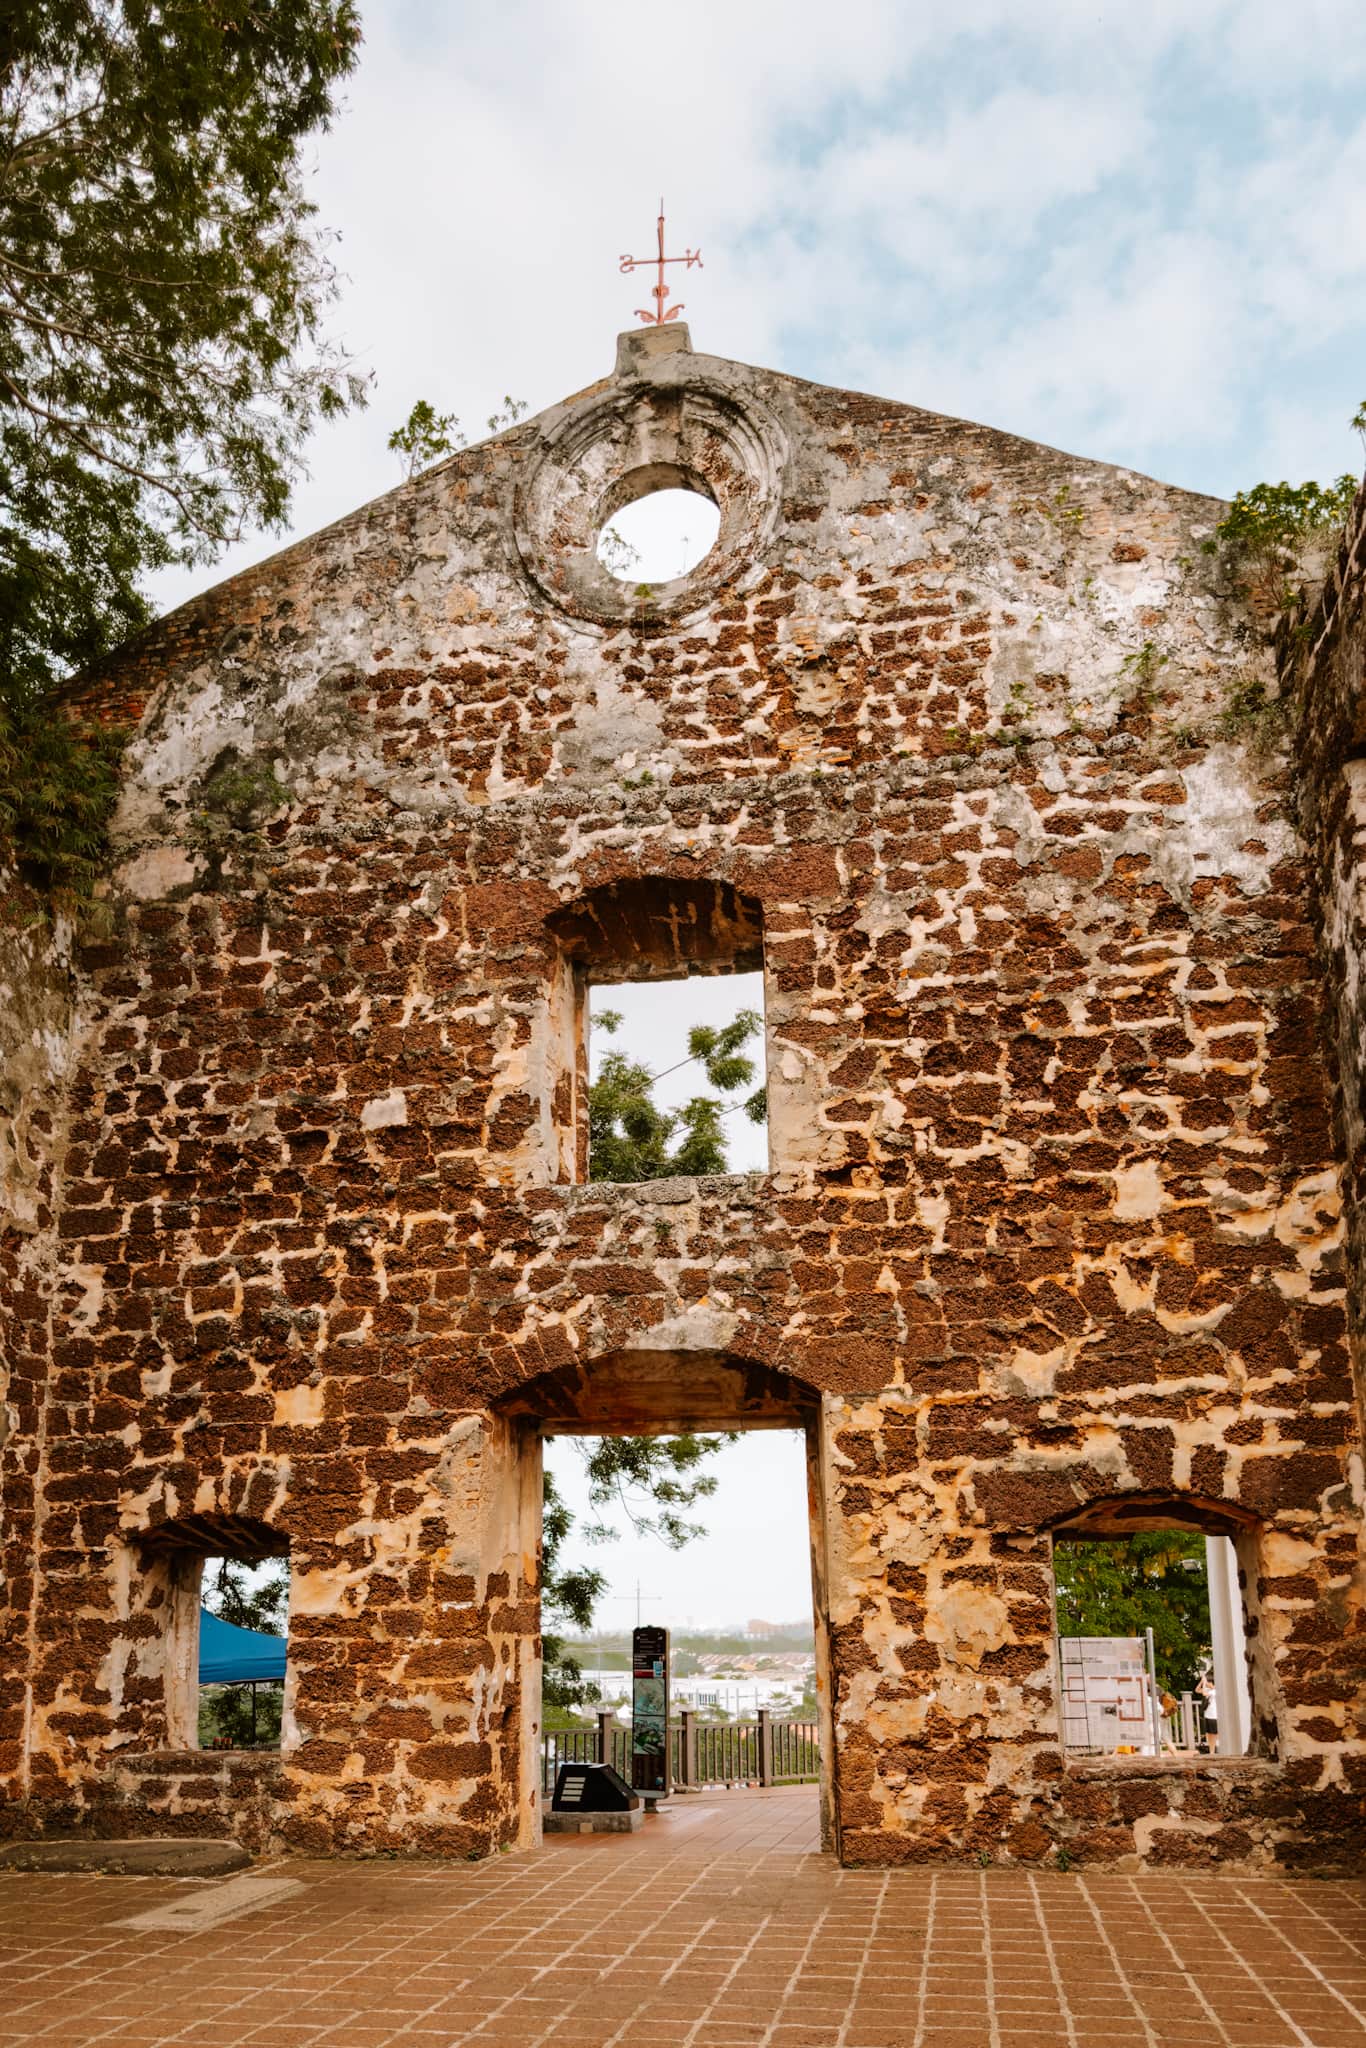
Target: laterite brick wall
point(1053, 1228)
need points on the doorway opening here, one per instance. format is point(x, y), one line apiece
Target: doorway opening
point(745, 1701)
point(220, 1583)
point(676, 1078)
point(669, 1046)
point(242, 1653)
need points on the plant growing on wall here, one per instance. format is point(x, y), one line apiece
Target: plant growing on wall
point(1266, 531)
point(429, 436)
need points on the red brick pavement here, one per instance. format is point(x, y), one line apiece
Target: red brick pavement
point(717, 1927)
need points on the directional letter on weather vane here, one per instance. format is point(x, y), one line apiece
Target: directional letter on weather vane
point(660, 292)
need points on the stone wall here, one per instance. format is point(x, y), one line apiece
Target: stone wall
point(1052, 1227)
point(37, 1051)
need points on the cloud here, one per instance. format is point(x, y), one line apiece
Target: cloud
point(1137, 233)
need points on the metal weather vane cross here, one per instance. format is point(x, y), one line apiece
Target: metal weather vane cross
point(660, 292)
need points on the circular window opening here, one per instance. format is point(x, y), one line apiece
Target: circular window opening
point(659, 537)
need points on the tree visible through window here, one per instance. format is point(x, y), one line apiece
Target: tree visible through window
point(632, 1137)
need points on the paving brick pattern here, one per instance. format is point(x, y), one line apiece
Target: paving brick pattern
point(718, 1927)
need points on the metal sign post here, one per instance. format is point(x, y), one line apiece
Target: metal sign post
point(650, 1712)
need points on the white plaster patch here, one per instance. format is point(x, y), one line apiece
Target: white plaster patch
point(156, 872)
point(1138, 1190)
point(383, 1110)
point(299, 1404)
point(970, 1620)
point(703, 1327)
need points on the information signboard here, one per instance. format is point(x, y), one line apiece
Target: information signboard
point(650, 1711)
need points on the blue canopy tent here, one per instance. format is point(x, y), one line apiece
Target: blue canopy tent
point(235, 1656)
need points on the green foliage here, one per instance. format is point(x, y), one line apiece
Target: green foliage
point(162, 294)
point(630, 1138)
point(1141, 670)
point(58, 788)
point(1251, 713)
point(656, 1481)
point(1266, 529)
point(1154, 1579)
point(427, 436)
point(241, 790)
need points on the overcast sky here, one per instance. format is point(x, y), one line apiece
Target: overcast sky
point(1136, 232)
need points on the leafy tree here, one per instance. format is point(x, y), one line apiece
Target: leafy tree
point(631, 1138)
point(58, 786)
point(1153, 1579)
point(162, 296)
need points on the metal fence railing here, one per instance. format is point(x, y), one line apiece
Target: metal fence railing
point(716, 1753)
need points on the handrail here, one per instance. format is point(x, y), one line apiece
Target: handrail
point(701, 1753)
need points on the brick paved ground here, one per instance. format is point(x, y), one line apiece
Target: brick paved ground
point(718, 1927)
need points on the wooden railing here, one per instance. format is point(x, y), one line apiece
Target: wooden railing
point(717, 1753)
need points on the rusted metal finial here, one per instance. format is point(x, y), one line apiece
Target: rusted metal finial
point(660, 292)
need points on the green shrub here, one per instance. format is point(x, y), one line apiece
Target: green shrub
point(58, 786)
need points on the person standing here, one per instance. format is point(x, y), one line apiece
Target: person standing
point(1205, 1688)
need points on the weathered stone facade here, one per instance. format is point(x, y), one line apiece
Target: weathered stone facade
point(1052, 1231)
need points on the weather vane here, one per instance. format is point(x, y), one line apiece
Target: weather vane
point(660, 292)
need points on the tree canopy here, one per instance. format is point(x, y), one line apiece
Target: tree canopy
point(162, 295)
point(631, 1138)
point(1120, 1587)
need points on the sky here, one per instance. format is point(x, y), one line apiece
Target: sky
point(754, 1561)
point(1137, 233)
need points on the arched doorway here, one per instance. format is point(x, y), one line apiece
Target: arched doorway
point(639, 1390)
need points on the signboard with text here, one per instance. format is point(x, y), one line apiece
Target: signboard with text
point(650, 1710)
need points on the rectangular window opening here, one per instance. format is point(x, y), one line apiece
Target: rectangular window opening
point(1152, 1646)
point(677, 1077)
point(240, 1679)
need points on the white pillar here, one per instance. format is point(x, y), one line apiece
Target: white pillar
point(1230, 1646)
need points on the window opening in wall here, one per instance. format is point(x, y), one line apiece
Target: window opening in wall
point(629, 1535)
point(1151, 1644)
point(242, 1649)
point(676, 1078)
point(659, 537)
